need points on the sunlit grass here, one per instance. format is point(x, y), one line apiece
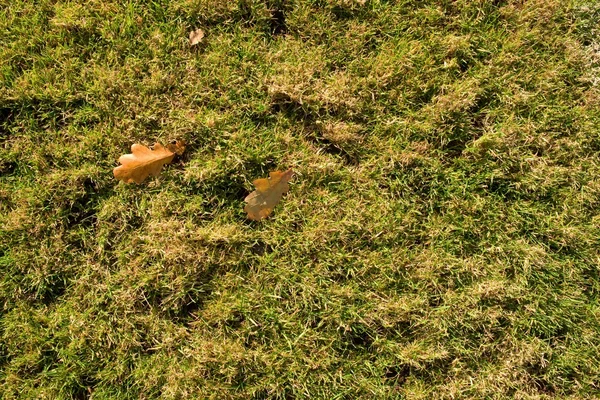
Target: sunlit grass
point(440, 238)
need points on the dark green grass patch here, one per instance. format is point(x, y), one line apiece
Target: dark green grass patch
point(440, 239)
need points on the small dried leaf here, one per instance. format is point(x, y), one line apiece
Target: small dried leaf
point(144, 162)
point(196, 37)
point(267, 194)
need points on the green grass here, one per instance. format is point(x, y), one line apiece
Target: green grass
point(441, 238)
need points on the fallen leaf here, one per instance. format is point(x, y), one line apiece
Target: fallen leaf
point(144, 162)
point(196, 37)
point(267, 194)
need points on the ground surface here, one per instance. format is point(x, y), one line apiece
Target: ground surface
point(440, 239)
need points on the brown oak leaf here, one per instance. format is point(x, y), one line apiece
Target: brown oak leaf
point(267, 194)
point(144, 162)
point(196, 37)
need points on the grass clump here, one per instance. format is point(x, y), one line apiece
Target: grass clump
point(440, 239)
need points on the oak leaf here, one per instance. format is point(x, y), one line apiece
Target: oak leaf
point(196, 37)
point(144, 162)
point(267, 194)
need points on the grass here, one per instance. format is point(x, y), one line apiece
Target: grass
point(440, 239)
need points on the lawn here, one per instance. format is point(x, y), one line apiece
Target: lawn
point(440, 238)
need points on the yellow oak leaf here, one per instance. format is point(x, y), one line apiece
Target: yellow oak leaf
point(267, 194)
point(144, 162)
